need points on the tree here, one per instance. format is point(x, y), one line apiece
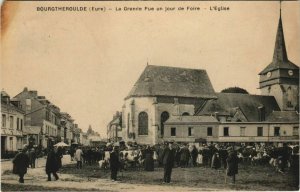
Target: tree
point(235, 90)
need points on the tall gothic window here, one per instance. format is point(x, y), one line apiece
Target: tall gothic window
point(143, 123)
point(163, 118)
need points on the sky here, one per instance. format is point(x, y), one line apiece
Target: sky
point(87, 62)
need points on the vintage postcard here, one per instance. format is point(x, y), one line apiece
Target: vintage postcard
point(149, 95)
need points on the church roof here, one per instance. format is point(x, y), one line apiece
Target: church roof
point(283, 116)
point(280, 58)
point(173, 81)
point(248, 104)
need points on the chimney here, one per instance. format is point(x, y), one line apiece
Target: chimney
point(217, 115)
point(25, 89)
point(34, 93)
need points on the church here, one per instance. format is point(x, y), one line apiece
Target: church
point(180, 104)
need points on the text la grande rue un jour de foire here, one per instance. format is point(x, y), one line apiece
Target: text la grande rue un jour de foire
point(131, 9)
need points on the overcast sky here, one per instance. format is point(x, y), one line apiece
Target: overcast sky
point(86, 63)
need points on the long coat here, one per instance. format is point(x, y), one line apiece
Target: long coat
point(20, 163)
point(194, 154)
point(32, 155)
point(168, 157)
point(149, 162)
point(216, 161)
point(232, 164)
point(114, 161)
point(184, 154)
point(52, 162)
point(59, 156)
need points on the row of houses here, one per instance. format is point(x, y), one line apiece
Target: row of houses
point(29, 118)
point(180, 104)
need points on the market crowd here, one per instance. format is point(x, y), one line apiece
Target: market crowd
point(167, 156)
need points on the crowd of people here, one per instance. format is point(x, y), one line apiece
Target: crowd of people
point(167, 156)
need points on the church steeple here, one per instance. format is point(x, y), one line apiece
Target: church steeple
point(281, 77)
point(280, 54)
point(280, 58)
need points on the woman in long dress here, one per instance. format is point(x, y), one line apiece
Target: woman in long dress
point(149, 162)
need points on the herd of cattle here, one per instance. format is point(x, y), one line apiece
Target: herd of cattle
point(134, 157)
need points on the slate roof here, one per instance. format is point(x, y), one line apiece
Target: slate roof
point(9, 106)
point(247, 103)
point(280, 58)
point(191, 119)
point(173, 81)
point(283, 116)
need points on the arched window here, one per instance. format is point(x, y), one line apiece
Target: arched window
point(185, 114)
point(163, 118)
point(143, 123)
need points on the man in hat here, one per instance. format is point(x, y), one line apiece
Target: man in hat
point(20, 164)
point(168, 158)
point(52, 164)
point(114, 163)
point(232, 163)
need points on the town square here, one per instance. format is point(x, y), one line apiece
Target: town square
point(74, 119)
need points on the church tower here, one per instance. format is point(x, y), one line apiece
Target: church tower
point(281, 77)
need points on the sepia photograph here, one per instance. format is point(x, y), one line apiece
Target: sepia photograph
point(150, 95)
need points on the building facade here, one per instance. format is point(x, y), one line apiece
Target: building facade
point(68, 128)
point(114, 128)
point(12, 124)
point(44, 123)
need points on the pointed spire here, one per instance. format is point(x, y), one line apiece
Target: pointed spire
point(280, 53)
point(280, 7)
